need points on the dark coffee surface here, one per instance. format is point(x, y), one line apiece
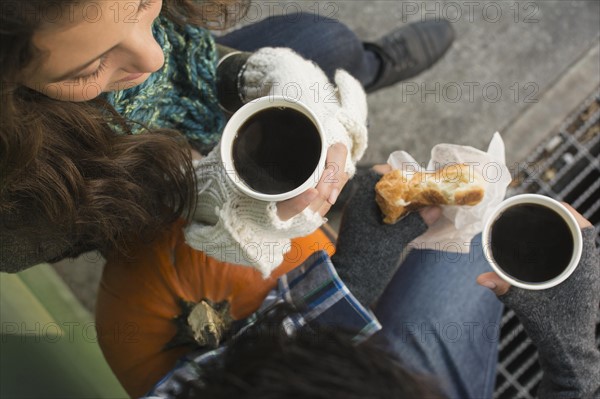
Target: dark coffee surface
point(531, 243)
point(276, 150)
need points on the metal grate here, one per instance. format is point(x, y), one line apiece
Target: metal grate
point(565, 167)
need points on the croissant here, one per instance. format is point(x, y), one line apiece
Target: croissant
point(455, 184)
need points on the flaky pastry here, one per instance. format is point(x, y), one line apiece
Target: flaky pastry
point(455, 184)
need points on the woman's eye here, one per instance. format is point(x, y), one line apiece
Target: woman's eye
point(93, 75)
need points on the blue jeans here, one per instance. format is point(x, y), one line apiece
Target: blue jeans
point(325, 41)
point(439, 322)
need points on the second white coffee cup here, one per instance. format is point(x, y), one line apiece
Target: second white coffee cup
point(532, 241)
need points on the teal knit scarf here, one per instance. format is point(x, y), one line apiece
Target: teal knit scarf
point(182, 94)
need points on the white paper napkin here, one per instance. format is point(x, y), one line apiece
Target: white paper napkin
point(459, 224)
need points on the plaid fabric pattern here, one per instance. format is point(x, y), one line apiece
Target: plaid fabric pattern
point(322, 300)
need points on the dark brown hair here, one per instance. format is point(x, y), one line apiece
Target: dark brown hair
point(64, 173)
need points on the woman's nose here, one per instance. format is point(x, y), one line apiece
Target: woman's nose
point(143, 53)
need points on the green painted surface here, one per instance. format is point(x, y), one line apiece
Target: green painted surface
point(48, 345)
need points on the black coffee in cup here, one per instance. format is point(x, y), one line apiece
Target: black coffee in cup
point(276, 150)
point(531, 243)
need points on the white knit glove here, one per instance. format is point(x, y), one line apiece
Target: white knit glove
point(342, 110)
point(232, 227)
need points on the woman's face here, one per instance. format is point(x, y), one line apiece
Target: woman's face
point(94, 47)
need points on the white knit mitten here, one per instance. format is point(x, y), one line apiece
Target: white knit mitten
point(342, 110)
point(235, 228)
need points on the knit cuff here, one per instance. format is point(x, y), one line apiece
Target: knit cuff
point(250, 235)
point(303, 224)
point(263, 236)
point(235, 228)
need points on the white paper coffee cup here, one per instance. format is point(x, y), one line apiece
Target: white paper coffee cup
point(491, 249)
point(235, 170)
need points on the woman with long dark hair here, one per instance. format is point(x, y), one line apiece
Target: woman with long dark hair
point(82, 80)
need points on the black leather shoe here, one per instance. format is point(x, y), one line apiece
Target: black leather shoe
point(410, 50)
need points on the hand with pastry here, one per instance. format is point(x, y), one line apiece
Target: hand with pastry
point(367, 250)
